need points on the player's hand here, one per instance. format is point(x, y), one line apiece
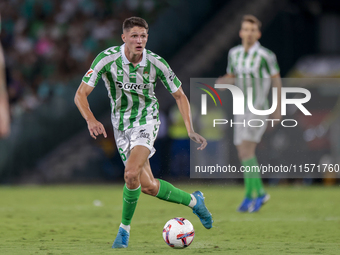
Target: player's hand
point(96, 128)
point(225, 80)
point(220, 80)
point(198, 139)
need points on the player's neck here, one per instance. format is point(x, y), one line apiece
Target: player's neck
point(135, 59)
point(247, 46)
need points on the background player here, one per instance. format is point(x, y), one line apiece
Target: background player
point(253, 66)
point(130, 73)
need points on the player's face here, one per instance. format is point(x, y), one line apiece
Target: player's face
point(249, 33)
point(135, 40)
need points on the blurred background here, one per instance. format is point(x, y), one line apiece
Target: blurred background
point(49, 46)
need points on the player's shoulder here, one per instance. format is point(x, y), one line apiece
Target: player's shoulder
point(113, 51)
point(265, 52)
point(153, 55)
point(106, 56)
point(110, 51)
point(235, 49)
point(156, 59)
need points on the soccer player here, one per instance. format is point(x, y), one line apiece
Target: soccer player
point(252, 65)
point(4, 107)
point(130, 73)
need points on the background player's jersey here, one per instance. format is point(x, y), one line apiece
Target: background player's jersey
point(131, 89)
point(253, 69)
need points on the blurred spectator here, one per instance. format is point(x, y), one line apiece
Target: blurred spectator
point(160, 160)
point(180, 145)
point(47, 43)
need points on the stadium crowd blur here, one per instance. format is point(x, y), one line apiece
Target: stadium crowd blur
point(50, 43)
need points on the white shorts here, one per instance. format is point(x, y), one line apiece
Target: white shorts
point(144, 135)
point(246, 132)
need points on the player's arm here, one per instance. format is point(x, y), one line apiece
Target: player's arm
point(4, 106)
point(276, 83)
point(95, 127)
point(228, 78)
point(184, 108)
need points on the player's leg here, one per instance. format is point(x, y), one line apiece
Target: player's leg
point(132, 187)
point(246, 150)
point(246, 153)
point(240, 132)
point(163, 189)
point(166, 191)
point(131, 192)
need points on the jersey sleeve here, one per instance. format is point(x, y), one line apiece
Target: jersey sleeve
point(169, 79)
point(96, 70)
point(165, 73)
point(230, 67)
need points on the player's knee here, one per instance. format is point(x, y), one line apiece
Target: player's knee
point(244, 154)
point(131, 176)
point(150, 189)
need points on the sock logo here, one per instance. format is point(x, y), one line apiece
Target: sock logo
point(130, 202)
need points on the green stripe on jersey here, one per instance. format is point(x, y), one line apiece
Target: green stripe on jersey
point(245, 79)
point(112, 91)
point(160, 74)
point(253, 76)
point(123, 99)
point(265, 64)
point(146, 80)
point(124, 105)
point(134, 96)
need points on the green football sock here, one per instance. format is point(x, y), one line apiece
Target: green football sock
point(255, 178)
point(130, 199)
point(248, 185)
point(259, 186)
point(170, 193)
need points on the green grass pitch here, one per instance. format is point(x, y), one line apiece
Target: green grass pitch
point(64, 220)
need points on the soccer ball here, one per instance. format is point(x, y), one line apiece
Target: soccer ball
point(178, 233)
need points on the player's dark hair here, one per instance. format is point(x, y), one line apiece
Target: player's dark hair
point(252, 19)
point(134, 22)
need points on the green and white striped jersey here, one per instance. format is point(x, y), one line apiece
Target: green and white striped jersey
point(253, 69)
point(131, 89)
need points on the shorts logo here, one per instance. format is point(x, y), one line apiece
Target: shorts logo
point(143, 134)
point(89, 73)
